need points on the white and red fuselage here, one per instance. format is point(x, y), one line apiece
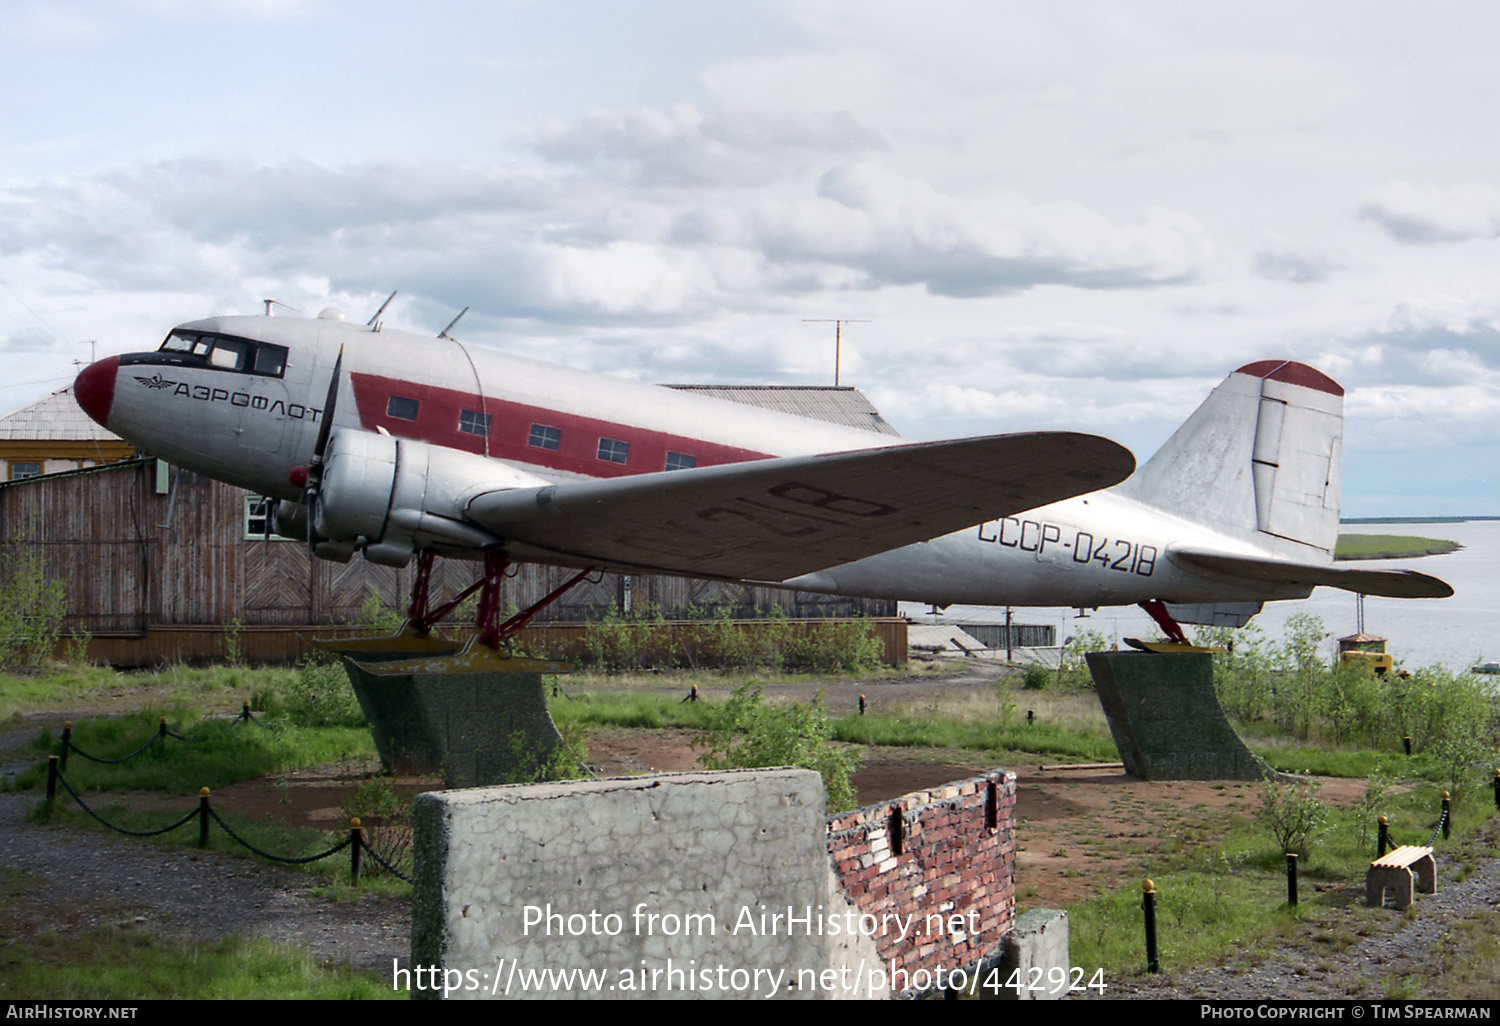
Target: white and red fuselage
point(242, 399)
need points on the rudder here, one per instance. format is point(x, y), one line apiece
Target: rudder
point(1261, 455)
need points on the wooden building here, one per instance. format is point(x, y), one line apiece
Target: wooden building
point(161, 564)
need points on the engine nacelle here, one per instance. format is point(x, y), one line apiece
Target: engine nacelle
point(390, 496)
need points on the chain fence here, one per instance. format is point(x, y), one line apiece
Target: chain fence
point(206, 814)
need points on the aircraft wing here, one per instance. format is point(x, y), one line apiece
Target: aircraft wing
point(768, 520)
point(1386, 583)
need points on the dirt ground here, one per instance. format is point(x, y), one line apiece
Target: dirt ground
point(1079, 831)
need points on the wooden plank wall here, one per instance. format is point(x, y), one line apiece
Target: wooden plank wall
point(131, 559)
point(285, 644)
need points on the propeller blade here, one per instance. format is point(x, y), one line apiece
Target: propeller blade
point(311, 493)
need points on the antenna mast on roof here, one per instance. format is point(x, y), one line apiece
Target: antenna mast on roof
point(838, 329)
point(444, 332)
point(374, 322)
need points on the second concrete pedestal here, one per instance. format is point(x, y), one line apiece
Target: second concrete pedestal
point(1166, 720)
point(476, 728)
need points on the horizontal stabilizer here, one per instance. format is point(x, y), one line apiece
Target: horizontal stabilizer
point(772, 519)
point(1386, 583)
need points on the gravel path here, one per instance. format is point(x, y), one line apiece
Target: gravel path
point(79, 879)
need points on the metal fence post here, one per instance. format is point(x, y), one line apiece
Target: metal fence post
point(1447, 814)
point(1291, 878)
point(1148, 904)
point(203, 817)
point(67, 742)
point(1383, 840)
point(355, 840)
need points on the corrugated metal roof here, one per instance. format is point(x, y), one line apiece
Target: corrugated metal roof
point(834, 404)
point(54, 418)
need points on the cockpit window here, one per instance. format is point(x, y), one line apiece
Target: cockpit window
point(223, 352)
point(229, 354)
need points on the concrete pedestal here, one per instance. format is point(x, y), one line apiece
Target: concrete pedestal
point(1166, 720)
point(476, 728)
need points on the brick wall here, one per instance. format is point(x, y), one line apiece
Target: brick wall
point(933, 855)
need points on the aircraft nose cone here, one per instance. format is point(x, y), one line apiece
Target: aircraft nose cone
point(95, 388)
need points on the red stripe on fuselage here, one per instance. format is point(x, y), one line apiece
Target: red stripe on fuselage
point(510, 427)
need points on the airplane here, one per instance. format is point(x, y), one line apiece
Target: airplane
point(396, 446)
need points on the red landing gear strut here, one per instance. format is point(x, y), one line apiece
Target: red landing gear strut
point(491, 633)
point(1170, 627)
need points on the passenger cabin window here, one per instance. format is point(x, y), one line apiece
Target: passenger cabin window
point(613, 451)
point(542, 437)
point(402, 408)
point(680, 461)
point(472, 422)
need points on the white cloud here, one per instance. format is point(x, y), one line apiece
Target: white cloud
point(900, 230)
point(1425, 214)
point(684, 147)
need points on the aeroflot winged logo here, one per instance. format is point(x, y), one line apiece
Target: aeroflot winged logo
point(156, 381)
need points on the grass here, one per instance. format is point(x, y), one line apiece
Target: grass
point(1220, 880)
point(1390, 546)
point(220, 751)
point(118, 963)
point(1221, 889)
point(101, 688)
point(1063, 729)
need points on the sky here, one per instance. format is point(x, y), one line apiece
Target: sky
point(1035, 215)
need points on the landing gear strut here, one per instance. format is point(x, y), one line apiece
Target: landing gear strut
point(492, 633)
point(1170, 627)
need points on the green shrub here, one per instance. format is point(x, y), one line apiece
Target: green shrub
point(1291, 813)
point(320, 696)
point(1035, 678)
point(746, 732)
point(1453, 716)
point(32, 607)
point(1073, 669)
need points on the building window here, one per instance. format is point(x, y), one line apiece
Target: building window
point(259, 511)
point(402, 408)
point(680, 461)
point(472, 422)
point(613, 451)
point(22, 471)
point(544, 437)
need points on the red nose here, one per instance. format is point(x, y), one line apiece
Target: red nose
point(95, 388)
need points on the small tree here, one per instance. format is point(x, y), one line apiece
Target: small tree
point(32, 608)
point(1072, 668)
point(1291, 813)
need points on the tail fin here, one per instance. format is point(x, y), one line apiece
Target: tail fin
point(1260, 457)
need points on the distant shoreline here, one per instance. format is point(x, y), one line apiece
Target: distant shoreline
point(1412, 520)
point(1390, 546)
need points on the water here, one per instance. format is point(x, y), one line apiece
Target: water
point(1456, 632)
